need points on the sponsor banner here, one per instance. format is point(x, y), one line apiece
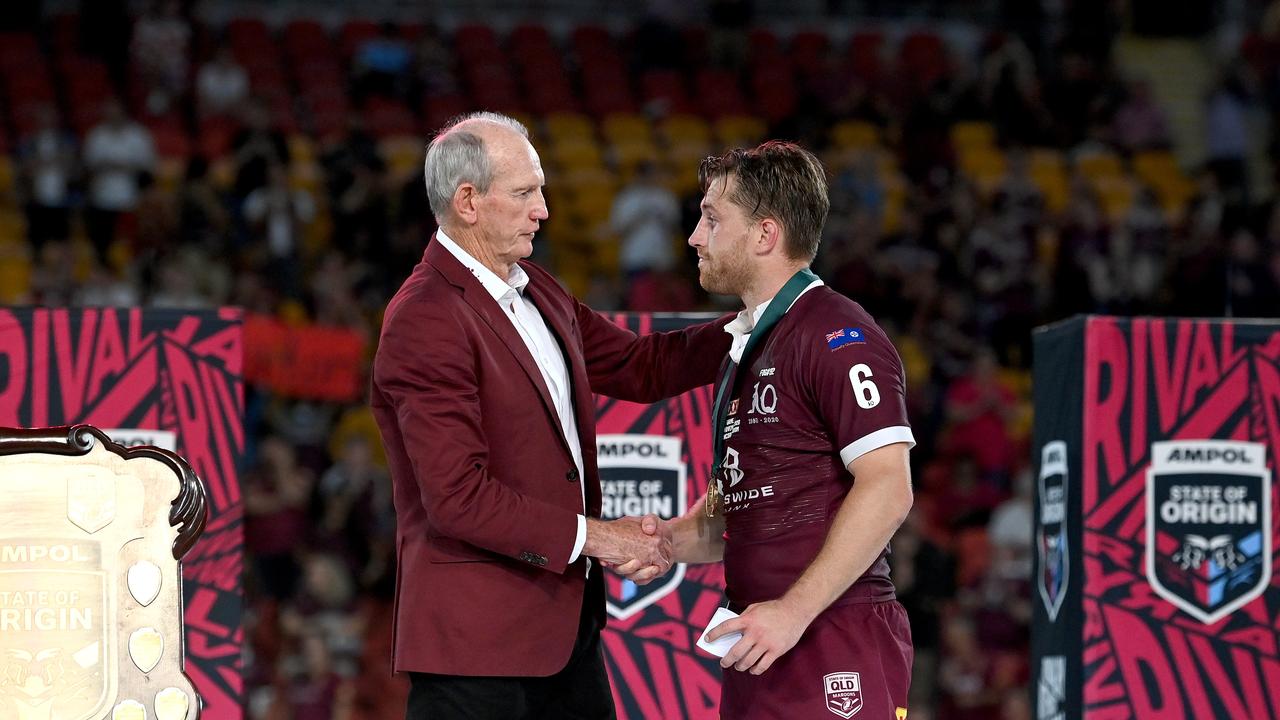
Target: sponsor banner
point(1172, 459)
point(160, 377)
point(657, 458)
point(307, 361)
point(1056, 667)
point(640, 475)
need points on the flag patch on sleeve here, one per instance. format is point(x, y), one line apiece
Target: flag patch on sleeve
point(845, 336)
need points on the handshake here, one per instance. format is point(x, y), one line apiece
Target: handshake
point(638, 548)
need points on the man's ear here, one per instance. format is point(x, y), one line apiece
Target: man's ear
point(769, 237)
point(464, 203)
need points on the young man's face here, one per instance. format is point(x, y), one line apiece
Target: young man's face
point(722, 241)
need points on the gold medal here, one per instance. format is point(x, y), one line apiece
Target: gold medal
point(713, 496)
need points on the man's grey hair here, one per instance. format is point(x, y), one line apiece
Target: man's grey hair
point(458, 156)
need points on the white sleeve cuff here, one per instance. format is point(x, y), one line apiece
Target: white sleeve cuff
point(875, 440)
point(580, 540)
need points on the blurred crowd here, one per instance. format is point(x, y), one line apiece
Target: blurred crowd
point(1011, 186)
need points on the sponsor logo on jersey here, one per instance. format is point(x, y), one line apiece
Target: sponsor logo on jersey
point(764, 400)
point(844, 693)
point(1051, 530)
point(733, 407)
point(766, 372)
point(731, 427)
point(640, 474)
point(1051, 694)
point(1208, 525)
point(845, 336)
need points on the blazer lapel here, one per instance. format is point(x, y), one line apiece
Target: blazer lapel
point(584, 404)
point(488, 309)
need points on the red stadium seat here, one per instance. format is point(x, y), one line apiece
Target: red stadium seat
point(719, 94)
point(809, 50)
point(215, 136)
point(665, 87)
point(436, 111)
point(477, 43)
point(353, 34)
point(170, 137)
point(306, 39)
point(866, 56)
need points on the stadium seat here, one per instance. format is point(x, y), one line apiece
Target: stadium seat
point(626, 127)
point(739, 131)
point(967, 135)
point(568, 126)
point(1101, 164)
point(855, 134)
point(403, 155)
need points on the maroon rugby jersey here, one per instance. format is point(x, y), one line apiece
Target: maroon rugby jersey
point(826, 387)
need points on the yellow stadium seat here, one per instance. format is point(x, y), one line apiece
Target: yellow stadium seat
point(301, 148)
point(15, 271)
point(686, 129)
point(170, 172)
point(306, 176)
point(626, 156)
point(563, 127)
point(626, 127)
point(577, 154)
point(973, 135)
point(403, 155)
point(6, 176)
point(740, 131)
point(1100, 165)
point(1115, 194)
point(855, 134)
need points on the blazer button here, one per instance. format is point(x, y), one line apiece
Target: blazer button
point(572, 475)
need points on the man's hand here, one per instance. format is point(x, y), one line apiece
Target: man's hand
point(769, 630)
point(638, 571)
point(630, 540)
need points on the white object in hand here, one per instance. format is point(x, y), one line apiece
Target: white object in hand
point(719, 647)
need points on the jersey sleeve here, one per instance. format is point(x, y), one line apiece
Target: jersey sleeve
point(859, 387)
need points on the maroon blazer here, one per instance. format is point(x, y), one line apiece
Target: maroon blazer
point(486, 491)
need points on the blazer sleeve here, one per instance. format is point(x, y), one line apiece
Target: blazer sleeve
point(648, 368)
point(425, 369)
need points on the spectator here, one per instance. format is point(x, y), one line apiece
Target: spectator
point(160, 53)
point(221, 85)
point(980, 407)
point(381, 64)
point(256, 147)
point(116, 152)
point(1010, 531)
point(48, 164)
point(278, 214)
point(1140, 123)
point(646, 216)
point(1227, 134)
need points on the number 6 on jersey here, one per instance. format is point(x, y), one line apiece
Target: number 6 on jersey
point(864, 390)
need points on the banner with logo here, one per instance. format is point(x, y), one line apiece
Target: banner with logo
point(152, 377)
point(1155, 592)
point(657, 458)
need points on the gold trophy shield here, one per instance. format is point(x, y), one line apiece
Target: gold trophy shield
point(91, 541)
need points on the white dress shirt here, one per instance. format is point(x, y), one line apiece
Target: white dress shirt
point(528, 322)
point(740, 327)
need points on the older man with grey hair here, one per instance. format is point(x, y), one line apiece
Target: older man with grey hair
point(482, 390)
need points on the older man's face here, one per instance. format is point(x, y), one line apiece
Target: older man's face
point(512, 211)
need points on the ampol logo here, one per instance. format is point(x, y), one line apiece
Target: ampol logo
point(1208, 525)
point(639, 475)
